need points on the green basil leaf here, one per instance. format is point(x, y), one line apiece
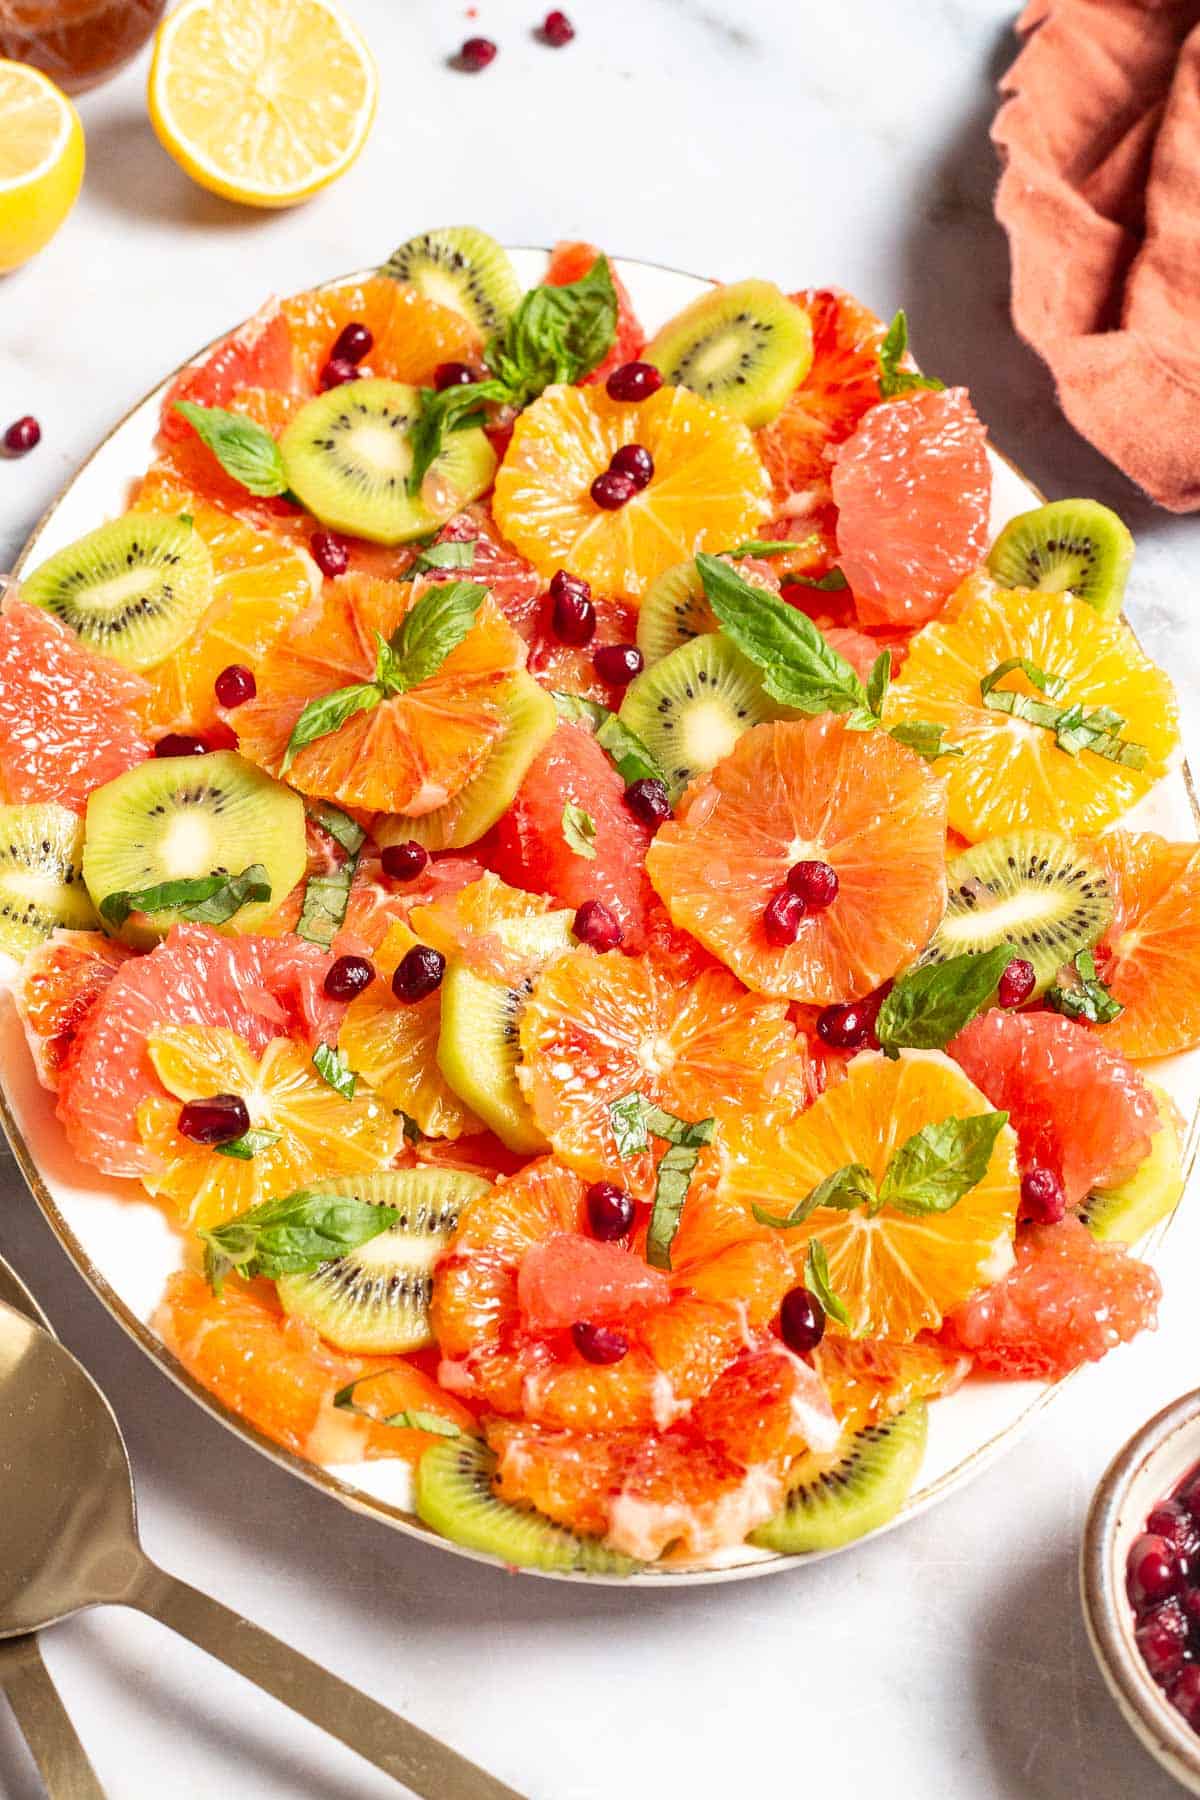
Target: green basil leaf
point(249, 1144)
point(925, 738)
point(761, 547)
point(816, 1279)
point(579, 831)
point(556, 334)
point(326, 898)
point(328, 714)
point(453, 553)
point(625, 750)
point(203, 899)
point(341, 827)
point(832, 582)
point(332, 1067)
point(799, 667)
point(454, 409)
point(932, 1171)
point(878, 681)
point(1074, 729)
point(847, 1188)
point(244, 450)
point(1086, 998)
point(672, 1179)
point(627, 1116)
point(1045, 683)
point(291, 1235)
point(427, 634)
point(931, 1003)
point(892, 378)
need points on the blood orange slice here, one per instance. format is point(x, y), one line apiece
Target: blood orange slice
point(412, 334)
point(598, 1028)
point(258, 354)
point(61, 981)
point(1077, 1107)
point(571, 668)
point(411, 752)
point(570, 262)
point(792, 791)
point(1150, 956)
point(913, 492)
point(871, 1379)
point(69, 720)
point(1069, 1300)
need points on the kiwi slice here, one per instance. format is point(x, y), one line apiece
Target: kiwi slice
point(745, 347)
point(529, 719)
point(1032, 889)
point(691, 708)
point(347, 455)
point(674, 610)
point(375, 1300)
point(478, 1049)
point(178, 818)
point(462, 268)
point(133, 589)
point(1125, 1212)
point(1075, 546)
point(41, 886)
point(455, 1496)
point(832, 1505)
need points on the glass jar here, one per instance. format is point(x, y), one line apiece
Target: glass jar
point(76, 42)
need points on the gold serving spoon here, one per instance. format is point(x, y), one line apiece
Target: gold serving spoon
point(62, 1762)
point(70, 1541)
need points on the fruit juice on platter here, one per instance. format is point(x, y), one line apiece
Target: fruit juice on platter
point(76, 42)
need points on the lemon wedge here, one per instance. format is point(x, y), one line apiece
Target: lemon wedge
point(41, 161)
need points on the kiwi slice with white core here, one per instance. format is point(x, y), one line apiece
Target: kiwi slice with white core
point(375, 1300)
point(1067, 546)
point(41, 884)
point(133, 589)
point(674, 610)
point(462, 268)
point(529, 720)
point(1032, 889)
point(691, 708)
point(454, 1495)
point(745, 347)
point(830, 1504)
point(347, 455)
point(1126, 1211)
point(478, 1048)
point(178, 818)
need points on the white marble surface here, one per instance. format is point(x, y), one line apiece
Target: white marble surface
point(842, 143)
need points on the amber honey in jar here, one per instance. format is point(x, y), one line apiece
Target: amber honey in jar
point(76, 42)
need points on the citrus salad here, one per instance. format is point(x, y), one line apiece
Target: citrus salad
point(593, 895)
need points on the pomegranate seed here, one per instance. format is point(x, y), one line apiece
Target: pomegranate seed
point(1188, 1496)
point(404, 862)
point(337, 372)
point(1017, 983)
point(781, 917)
point(1153, 1571)
point(599, 1343)
point(1173, 1522)
point(557, 29)
point(1162, 1640)
point(418, 974)
point(178, 743)
point(1042, 1197)
point(1185, 1695)
point(352, 343)
point(235, 685)
point(572, 616)
point(648, 801)
point(476, 53)
point(612, 490)
point(815, 882)
point(850, 1026)
point(801, 1320)
point(453, 374)
point(220, 737)
point(597, 925)
point(1191, 1609)
point(348, 976)
point(617, 664)
point(22, 436)
point(633, 381)
point(636, 462)
point(330, 553)
point(610, 1211)
point(218, 1120)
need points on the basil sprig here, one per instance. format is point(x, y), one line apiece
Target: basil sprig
point(334, 1070)
point(1074, 729)
point(579, 831)
point(244, 450)
point(451, 553)
point(634, 1121)
point(291, 1235)
point(425, 637)
point(818, 1283)
point(326, 896)
point(893, 379)
point(931, 1003)
point(412, 1419)
point(1086, 997)
point(625, 750)
point(202, 899)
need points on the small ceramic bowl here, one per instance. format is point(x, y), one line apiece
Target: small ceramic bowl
point(1146, 1471)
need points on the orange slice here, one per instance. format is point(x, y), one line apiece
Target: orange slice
point(597, 1028)
point(413, 751)
point(412, 333)
point(896, 1274)
point(708, 491)
point(320, 1132)
point(1011, 772)
point(792, 791)
point(1150, 956)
